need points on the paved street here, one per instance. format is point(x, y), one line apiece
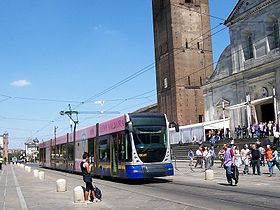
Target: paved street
point(186, 190)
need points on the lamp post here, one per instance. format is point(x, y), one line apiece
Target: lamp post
point(69, 114)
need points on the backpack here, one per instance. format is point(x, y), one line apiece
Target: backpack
point(98, 193)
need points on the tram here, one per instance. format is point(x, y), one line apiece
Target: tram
point(132, 146)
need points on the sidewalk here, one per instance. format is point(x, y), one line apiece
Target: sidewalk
point(19, 189)
point(183, 172)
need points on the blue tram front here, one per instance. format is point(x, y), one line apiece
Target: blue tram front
point(141, 150)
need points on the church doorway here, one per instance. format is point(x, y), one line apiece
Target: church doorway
point(267, 112)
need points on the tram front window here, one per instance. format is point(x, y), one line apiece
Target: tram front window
point(150, 143)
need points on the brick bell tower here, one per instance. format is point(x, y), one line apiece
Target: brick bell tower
point(183, 54)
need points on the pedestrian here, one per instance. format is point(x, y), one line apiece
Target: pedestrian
point(1, 162)
point(199, 157)
point(268, 157)
point(255, 159)
point(276, 138)
point(261, 149)
point(191, 155)
point(237, 155)
point(212, 156)
point(221, 156)
point(86, 172)
point(229, 165)
point(245, 156)
point(275, 158)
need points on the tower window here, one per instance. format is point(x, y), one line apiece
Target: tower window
point(198, 47)
point(165, 84)
point(188, 1)
point(200, 118)
point(200, 81)
point(187, 45)
point(189, 80)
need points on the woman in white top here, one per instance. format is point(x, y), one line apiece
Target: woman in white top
point(245, 158)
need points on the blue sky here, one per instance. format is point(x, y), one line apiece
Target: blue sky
point(59, 52)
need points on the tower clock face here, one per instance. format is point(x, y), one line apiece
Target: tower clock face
point(264, 92)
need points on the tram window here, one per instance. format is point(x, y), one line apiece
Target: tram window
point(70, 150)
point(91, 147)
point(63, 151)
point(53, 152)
point(57, 151)
point(124, 148)
point(41, 153)
point(103, 150)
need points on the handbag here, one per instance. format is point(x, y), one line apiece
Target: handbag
point(87, 178)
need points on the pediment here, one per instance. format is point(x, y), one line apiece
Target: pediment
point(243, 7)
point(220, 102)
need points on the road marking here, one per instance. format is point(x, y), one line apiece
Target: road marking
point(19, 193)
point(5, 189)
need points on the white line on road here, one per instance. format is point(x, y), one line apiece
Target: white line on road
point(20, 195)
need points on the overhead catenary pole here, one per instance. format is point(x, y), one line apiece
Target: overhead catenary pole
point(224, 116)
point(76, 121)
point(69, 114)
point(55, 151)
point(275, 106)
point(249, 118)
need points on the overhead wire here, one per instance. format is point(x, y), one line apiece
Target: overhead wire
point(134, 75)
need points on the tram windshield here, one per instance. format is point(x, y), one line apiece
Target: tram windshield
point(150, 138)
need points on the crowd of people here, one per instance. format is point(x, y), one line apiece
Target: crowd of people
point(257, 130)
point(249, 159)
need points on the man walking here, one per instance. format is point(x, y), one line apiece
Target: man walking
point(229, 164)
point(255, 157)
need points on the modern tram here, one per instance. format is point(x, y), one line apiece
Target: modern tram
point(132, 146)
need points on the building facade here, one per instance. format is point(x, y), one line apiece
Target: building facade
point(4, 143)
point(183, 54)
point(31, 150)
point(245, 85)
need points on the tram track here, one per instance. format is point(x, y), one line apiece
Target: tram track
point(224, 194)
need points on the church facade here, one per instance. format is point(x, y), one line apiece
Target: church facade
point(245, 85)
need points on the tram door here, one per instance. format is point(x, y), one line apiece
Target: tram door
point(114, 155)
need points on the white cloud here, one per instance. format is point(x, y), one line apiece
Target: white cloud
point(20, 83)
point(104, 30)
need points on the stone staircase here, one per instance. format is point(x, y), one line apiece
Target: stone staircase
point(180, 152)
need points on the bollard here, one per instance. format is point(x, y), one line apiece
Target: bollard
point(78, 195)
point(36, 173)
point(209, 174)
point(61, 185)
point(41, 175)
point(28, 169)
point(25, 168)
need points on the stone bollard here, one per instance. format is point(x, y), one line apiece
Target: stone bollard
point(78, 195)
point(28, 169)
point(41, 175)
point(209, 174)
point(61, 185)
point(36, 173)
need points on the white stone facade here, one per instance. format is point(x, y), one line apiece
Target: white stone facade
point(249, 68)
